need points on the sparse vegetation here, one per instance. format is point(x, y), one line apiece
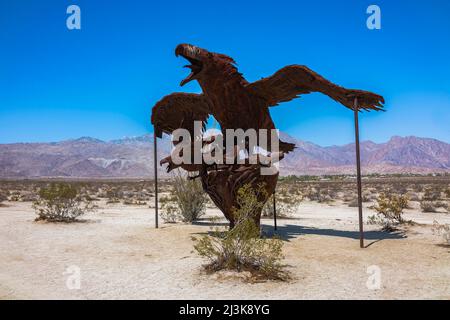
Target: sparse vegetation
point(442, 230)
point(285, 206)
point(3, 197)
point(242, 249)
point(389, 210)
point(428, 206)
point(431, 194)
point(433, 206)
point(15, 196)
point(188, 202)
point(60, 202)
point(447, 193)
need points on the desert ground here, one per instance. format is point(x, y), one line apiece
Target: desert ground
point(120, 255)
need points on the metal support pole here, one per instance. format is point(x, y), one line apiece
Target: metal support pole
point(358, 174)
point(155, 161)
point(274, 212)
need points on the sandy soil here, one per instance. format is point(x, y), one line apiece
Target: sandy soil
point(121, 255)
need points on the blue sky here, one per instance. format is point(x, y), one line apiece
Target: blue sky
point(102, 80)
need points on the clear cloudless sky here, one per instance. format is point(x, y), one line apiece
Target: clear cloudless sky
point(102, 80)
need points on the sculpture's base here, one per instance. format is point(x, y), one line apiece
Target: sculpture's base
point(222, 186)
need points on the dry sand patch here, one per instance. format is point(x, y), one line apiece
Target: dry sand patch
point(121, 255)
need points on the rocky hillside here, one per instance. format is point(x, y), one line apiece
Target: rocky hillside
point(133, 158)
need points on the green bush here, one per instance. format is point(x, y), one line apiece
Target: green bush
point(60, 202)
point(389, 210)
point(241, 248)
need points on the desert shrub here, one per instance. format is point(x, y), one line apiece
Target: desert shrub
point(443, 230)
point(427, 206)
point(326, 196)
point(432, 206)
point(347, 197)
point(169, 210)
point(431, 194)
point(15, 196)
point(113, 195)
point(188, 202)
point(413, 196)
point(60, 202)
point(29, 197)
point(241, 248)
point(417, 187)
point(353, 203)
point(285, 207)
point(169, 213)
point(389, 210)
point(320, 195)
point(447, 193)
point(368, 196)
point(312, 193)
point(3, 197)
point(399, 188)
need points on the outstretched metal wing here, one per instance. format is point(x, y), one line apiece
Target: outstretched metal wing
point(179, 110)
point(292, 81)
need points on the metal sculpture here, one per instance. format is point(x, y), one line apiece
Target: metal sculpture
point(237, 104)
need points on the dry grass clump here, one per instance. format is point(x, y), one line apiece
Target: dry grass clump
point(241, 248)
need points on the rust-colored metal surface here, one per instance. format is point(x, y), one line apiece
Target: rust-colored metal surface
point(237, 104)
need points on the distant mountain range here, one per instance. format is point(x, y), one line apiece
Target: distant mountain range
point(133, 158)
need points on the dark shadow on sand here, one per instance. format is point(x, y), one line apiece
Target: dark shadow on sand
point(287, 232)
point(209, 223)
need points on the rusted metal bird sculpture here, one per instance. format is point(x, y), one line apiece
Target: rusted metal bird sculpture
point(237, 104)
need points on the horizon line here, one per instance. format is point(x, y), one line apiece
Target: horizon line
point(151, 135)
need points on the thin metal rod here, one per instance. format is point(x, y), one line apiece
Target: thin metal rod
point(274, 212)
point(155, 161)
point(358, 174)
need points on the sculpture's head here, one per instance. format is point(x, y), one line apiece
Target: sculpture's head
point(204, 64)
